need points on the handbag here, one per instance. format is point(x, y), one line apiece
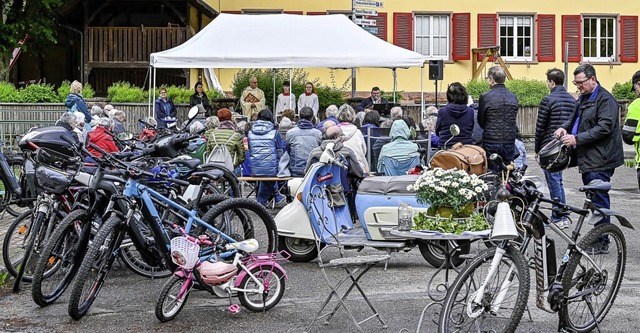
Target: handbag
point(336, 195)
point(470, 158)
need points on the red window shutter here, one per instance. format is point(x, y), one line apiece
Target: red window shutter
point(403, 30)
point(316, 13)
point(461, 39)
point(381, 24)
point(629, 38)
point(572, 33)
point(232, 11)
point(546, 37)
point(296, 12)
point(487, 30)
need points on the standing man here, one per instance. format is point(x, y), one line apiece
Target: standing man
point(554, 110)
point(376, 98)
point(252, 98)
point(497, 116)
point(594, 132)
point(631, 130)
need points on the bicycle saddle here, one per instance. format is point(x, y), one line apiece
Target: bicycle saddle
point(247, 245)
point(596, 185)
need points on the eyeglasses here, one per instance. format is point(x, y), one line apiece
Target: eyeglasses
point(163, 92)
point(579, 83)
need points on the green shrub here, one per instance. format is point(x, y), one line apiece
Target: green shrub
point(87, 91)
point(37, 93)
point(389, 96)
point(528, 92)
point(8, 92)
point(124, 92)
point(622, 91)
point(180, 94)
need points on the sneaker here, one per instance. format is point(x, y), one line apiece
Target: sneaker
point(281, 203)
point(599, 247)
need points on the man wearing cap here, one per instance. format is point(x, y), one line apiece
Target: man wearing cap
point(252, 98)
point(631, 130)
point(594, 131)
point(286, 99)
point(554, 110)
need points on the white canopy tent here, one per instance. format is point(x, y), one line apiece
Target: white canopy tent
point(251, 41)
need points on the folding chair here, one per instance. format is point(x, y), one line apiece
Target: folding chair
point(326, 224)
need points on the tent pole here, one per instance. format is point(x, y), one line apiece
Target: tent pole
point(273, 74)
point(149, 97)
point(421, 93)
point(395, 84)
point(291, 90)
point(154, 90)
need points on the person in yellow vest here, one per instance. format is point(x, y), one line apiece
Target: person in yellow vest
point(631, 128)
point(252, 98)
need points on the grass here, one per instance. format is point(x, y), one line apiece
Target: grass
point(630, 163)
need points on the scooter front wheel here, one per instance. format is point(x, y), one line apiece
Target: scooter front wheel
point(433, 252)
point(300, 250)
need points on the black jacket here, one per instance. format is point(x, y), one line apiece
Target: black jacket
point(599, 141)
point(497, 115)
point(458, 114)
point(554, 110)
point(204, 100)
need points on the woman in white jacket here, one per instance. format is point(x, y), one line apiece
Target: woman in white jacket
point(286, 99)
point(310, 99)
point(353, 137)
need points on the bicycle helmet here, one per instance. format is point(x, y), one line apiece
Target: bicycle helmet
point(215, 273)
point(554, 156)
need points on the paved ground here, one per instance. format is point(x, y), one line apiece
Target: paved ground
point(126, 303)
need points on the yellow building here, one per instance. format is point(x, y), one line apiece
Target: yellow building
point(533, 36)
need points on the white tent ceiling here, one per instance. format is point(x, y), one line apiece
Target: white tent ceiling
point(285, 41)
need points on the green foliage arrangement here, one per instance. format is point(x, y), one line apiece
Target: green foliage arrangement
point(622, 91)
point(124, 92)
point(389, 95)
point(37, 93)
point(475, 222)
point(528, 92)
point(327, 95)
point(181, 94)
point(8, 92)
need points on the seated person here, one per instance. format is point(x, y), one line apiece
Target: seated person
point(397, 156)
point(376, 98)
point(102, 137)
point(301, 140)
point(334, 134)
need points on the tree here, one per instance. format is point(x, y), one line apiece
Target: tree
point(21, 18)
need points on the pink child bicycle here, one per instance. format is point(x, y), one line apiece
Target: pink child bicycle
point(257, 280)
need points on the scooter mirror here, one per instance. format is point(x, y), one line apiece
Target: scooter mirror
point(454, 129)
point(193, 112)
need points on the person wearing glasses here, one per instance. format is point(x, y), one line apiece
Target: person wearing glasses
point(497, 113)
point(376, 98)
point(164, 109)
point(594, 131)
point(252, 99)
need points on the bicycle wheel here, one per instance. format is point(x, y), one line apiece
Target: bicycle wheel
point(274, 284)
point(95, 267)
point(460, 311)
point(60, 258)
point(16, 167)
point(134, 262)
point(15, 240)
point(585, 287)
point(226, 185)
point(31, 251)
point(242, 219)
point(169, 302)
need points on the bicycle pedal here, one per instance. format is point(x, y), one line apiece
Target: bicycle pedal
point(234, 308)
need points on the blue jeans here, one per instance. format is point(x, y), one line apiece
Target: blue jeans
point(556, 190)
point(506, 150)
point(600, 199)
point(266, 190)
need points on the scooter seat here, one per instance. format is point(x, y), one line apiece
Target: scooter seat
point(387, 185)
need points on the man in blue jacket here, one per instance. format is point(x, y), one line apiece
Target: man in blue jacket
point(594, 131)
point(301, 140)
point(554, 110)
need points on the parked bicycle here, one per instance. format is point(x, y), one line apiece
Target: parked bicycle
point(490, 294)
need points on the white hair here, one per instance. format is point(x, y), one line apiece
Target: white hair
point(196, 127)
point(396, 111)
point(79, 117)
point(331, 111)
point(104, 122)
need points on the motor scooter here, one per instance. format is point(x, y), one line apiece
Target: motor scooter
point(377, 201)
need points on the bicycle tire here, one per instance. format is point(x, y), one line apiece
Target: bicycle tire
point(270, 297)
point(28, 262)
point(169, 296)
point(573, 279)
point(259, 226)
point(66, 248)
point(14, 242)
point(457, 309)
point(16, 166)
point(101, 255)
point(228, 182)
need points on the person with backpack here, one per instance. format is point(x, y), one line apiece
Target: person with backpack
point(266, 147)
point(224, 143)
point(75, 102)
point(631, 128)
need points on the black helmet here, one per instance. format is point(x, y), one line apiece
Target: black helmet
point(554, 156)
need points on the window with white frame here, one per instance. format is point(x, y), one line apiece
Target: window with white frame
point(516, 37)
point(432, 36)
point(598, 38)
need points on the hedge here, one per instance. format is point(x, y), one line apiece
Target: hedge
point(39, 93)
point(528, 92)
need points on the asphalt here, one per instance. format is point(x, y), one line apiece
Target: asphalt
point(127, 302)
